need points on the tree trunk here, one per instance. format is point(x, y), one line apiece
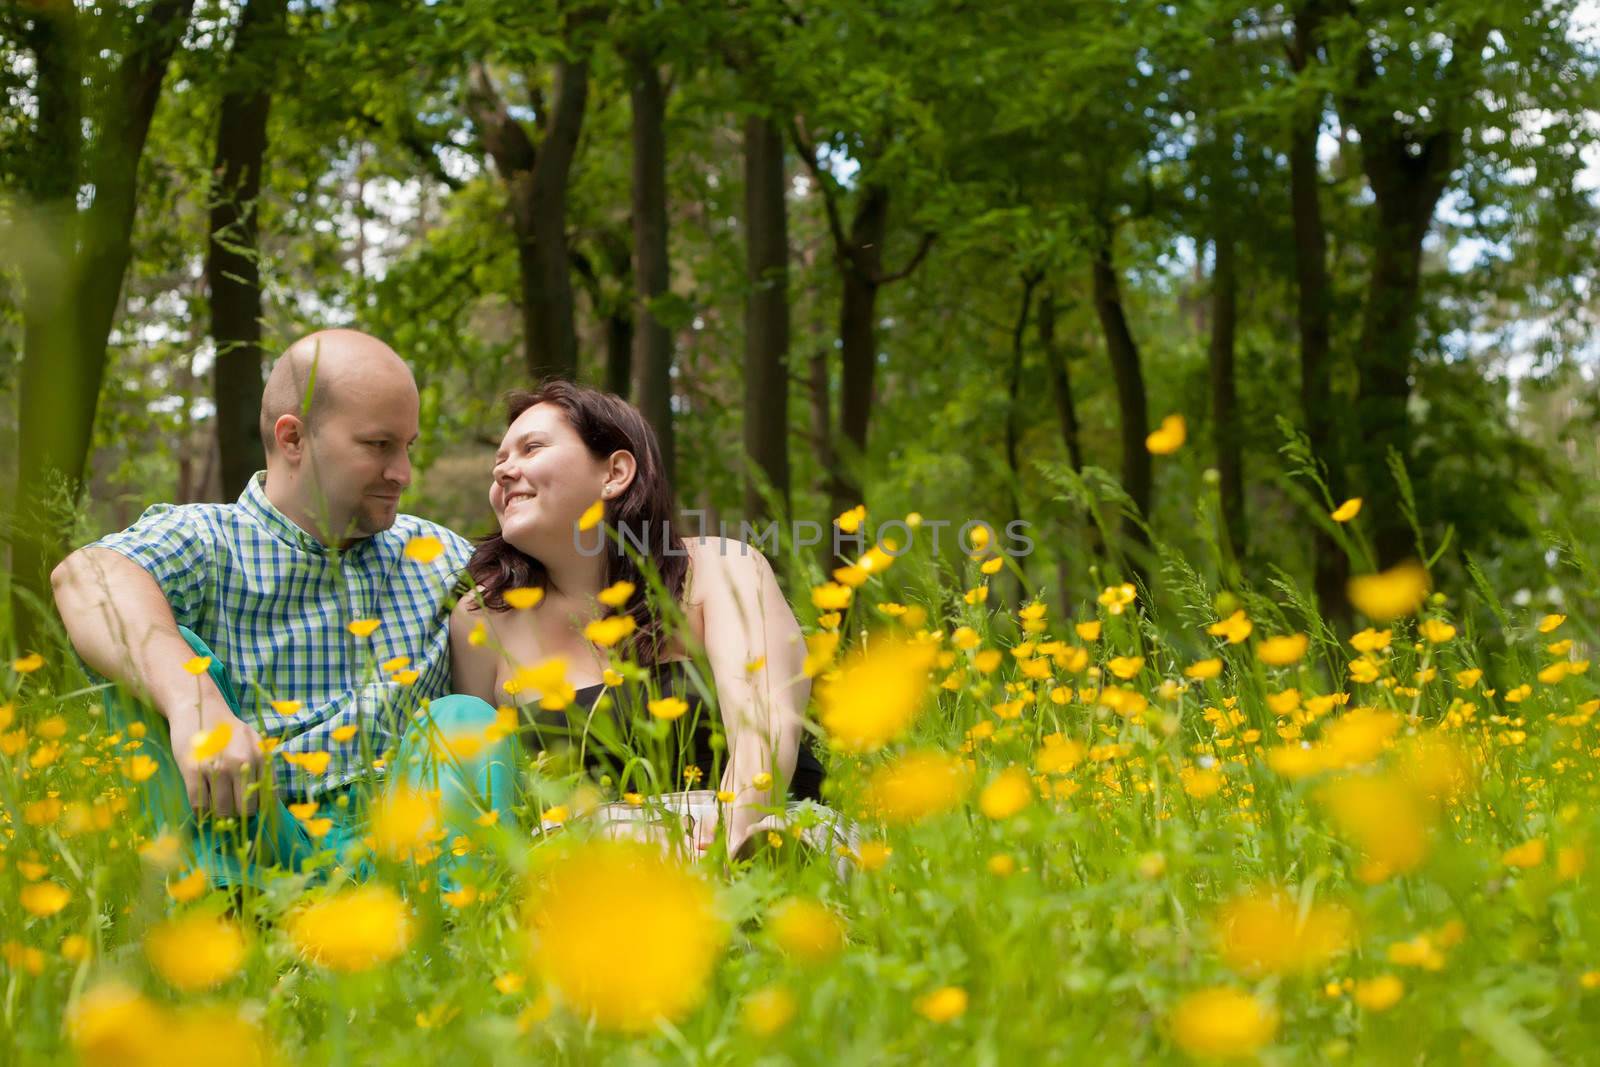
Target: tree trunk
point(233, 262)
point(1060, 381)
point(766, 322)
point(1019, 333)
point(652, 341)
point(1129, 379)
point(69, 308)
point(861, 276)
point(1331, 565)
point(536, 186)
point(1224, 319)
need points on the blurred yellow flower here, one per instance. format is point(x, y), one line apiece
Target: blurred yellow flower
point(767, 1010)
point(189, 887)
point(1169, 438)
point(1382, 818)
point(1268, 932)
point(1437, 631)
point(1203, 670)
point(850, 521)
point(1380, 993)
point(195, 952)
point(207, 743)
point(1346, 511)
point(877, 693)
point(523, 597)
point(806, 930)
point(591, 516)
point(548, 679)
point(1008, 793)
point(198, 665)
point(363, 627)
point(27, 664)
point(667, 707)
point(1088, 631)
point(43, 899)
point(1392, 594)
point(1530, 853)
point(616, 595)
point(831, 596)
point(943, 1005)
point(1550, 622)
point(406, 824)
point(353, 929)
point(608, 631)
point(1283, 650)
point(622, 934)
point(1125, 667)
point(919, 784)
point(113, 1026)
point(1222, 1023)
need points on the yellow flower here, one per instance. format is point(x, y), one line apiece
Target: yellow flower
point(1346, 511)
point(141, 768)
point(1235, 627)
point(1009, 792)
point(1530, 853)
point(406, 824)
point(344, 733)
point(1436, 631)
point(806, 930)
point(394, 663)
point(608, 631)
point(1222, 1023)
point(1169, 438)
point(189, 887)
point(1358, 737)
point(207, 743)
point(850, 521)
point(1125, 667)
point(43, 899)
point(549, 679)
point(1380, 993)
point(987, 660)
point(197, 665)
point(1363, 670)
point(1370, 640)
point(1088, 631)
point(917, 785)
point(312, 763)
point(1283, 650)
point(523, 597)
point(1554, 673)
point(1200, 782)
point(942, 1005)
point(1391, 594)
point(877, 693)
point(1382, 818)
point(1550, 622)
point(1116, 598)
point(1468, 678)
point(354, 929)
point(28, 664)
point(424, 549)
point(460, 898)
point(195, 952)
point(616, 595)
point(992, 567)
point(767, 1010)
point(1203, 670)
point(622, 934)
point(831, 596)
point(667, 707)
point(591, 516)
point(363, 627)
point(113, 1026)
point(851, 575)
point(873, 855)
point(1267, 933)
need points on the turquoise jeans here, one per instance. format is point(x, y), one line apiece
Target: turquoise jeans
point(240, 852)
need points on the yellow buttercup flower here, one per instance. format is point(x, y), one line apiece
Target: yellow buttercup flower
point(1009, 792)
point(591, 516)
point(943, 1005)
point(806, 930)
point(207, 743)
point(1437, 631)
point(831, 596)
point(1203, 670)
point(1528, 854)
point(1236, 627)
point(608, 631)
point(406, 825)
point(877, 693)
point(43, 899)
point(354, 929)
point(622, 935)
point(1380, 993)
point(521, 598)
point(850, 521)
point(1269, 933)
point(363, 627)
point(1550, 622)
point(767, 1010)
point(616, 595)
point(190, 887)
point(1346, 511)
point(667, 707)
point(1169, 438)
point(28, 664)
point(424, 549)
point(549, 679)
point(195, 952)
point(1392, 594)
point(1125, 667)
point(1283, 650)
point(198, 665)
point(916, 786)
point(1222, 1023)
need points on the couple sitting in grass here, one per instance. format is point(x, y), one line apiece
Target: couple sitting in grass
point(309, 640)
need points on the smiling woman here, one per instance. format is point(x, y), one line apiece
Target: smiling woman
point(571, 454)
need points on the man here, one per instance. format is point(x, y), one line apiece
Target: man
point(294, 615)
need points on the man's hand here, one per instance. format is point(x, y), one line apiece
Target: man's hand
point(218, 756)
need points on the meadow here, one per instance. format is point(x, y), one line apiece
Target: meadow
point(1219, 831)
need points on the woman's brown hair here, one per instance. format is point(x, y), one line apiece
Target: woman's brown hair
point(605, 423)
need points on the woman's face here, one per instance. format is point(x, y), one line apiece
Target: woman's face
point(544, 479)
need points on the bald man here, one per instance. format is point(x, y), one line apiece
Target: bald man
point(294, 616)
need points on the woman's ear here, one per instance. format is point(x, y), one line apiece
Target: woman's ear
point(621, 469)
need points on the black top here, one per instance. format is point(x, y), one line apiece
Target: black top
point(618, 739)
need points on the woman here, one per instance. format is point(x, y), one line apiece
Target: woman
point(566, 448)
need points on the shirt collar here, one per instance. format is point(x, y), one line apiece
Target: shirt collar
point(255, 503)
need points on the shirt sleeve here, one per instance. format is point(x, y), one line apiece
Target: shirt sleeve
point(174, 543)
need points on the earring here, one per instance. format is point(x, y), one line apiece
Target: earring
point(606, 491)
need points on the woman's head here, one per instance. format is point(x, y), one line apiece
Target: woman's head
point(565, 447)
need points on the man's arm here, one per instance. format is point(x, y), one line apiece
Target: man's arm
point(121, 624)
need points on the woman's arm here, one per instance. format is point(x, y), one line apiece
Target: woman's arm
point(747, 620)
point(472, 667)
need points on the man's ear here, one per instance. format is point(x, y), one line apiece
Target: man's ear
point(290, 433)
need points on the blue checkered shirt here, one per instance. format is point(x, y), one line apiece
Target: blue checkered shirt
point(273, 603)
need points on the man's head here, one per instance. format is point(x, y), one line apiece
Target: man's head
point(338, 417)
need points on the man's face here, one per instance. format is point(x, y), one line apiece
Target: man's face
point(360, 460)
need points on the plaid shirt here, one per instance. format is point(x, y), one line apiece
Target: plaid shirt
point(273, 604)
